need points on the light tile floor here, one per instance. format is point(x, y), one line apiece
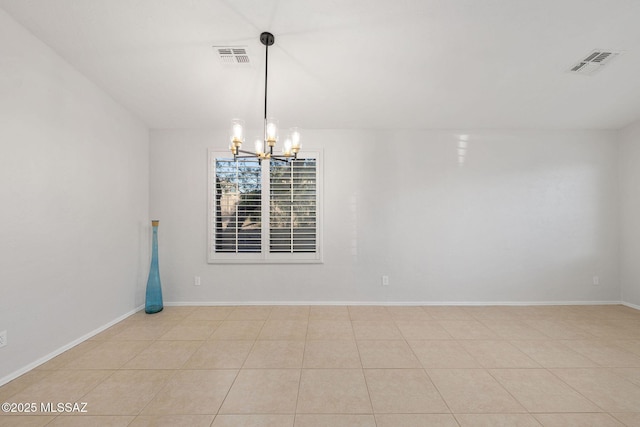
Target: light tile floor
point(366, 366)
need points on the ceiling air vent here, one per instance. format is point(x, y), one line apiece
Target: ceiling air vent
point(233, 55)
point(594, 61)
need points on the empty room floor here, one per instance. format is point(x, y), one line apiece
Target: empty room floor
point(384, 366)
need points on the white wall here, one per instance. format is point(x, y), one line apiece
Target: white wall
point(630, 214)
point(74, 203)
point(529, 217)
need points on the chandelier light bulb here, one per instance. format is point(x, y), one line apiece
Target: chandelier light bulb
point(271, 132)
point(295, 139)
point(237, 131)
point(286, 147)
point(259, 144)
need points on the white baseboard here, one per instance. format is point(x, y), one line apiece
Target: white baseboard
point(628, 304)
point(66, 347)
point(392, 303)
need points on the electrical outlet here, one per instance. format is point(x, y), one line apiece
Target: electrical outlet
point(196, 281)
point(385, 280)
point(596, 280)
point(3, 338)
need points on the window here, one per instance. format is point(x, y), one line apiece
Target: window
point(264, 212)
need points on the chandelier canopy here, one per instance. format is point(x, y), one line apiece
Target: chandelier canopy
point(264, 146)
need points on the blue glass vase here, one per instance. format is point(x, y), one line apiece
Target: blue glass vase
point(153, 300)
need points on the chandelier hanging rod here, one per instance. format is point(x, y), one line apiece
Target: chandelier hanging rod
point(291, 146)
point(267, 40)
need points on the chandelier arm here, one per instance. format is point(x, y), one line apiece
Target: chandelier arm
point(246, 152)
point(281, 159)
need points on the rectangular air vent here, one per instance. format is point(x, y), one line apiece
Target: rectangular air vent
point(594, 61)
point(235, 55)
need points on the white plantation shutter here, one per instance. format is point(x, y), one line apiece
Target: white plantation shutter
point(293, 206)
point(238, 201)
point(264, 212)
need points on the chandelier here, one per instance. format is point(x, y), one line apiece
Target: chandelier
point(264, 146)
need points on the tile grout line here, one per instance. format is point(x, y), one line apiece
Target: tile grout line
point(366, 383)
point(427, 374)
point(304, 350)
point(241, 366)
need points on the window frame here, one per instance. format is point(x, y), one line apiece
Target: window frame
point(264, 256)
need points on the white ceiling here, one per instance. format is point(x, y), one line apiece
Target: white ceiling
point(413, 64)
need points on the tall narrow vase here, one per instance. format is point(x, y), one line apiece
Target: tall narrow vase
point(153, 301)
